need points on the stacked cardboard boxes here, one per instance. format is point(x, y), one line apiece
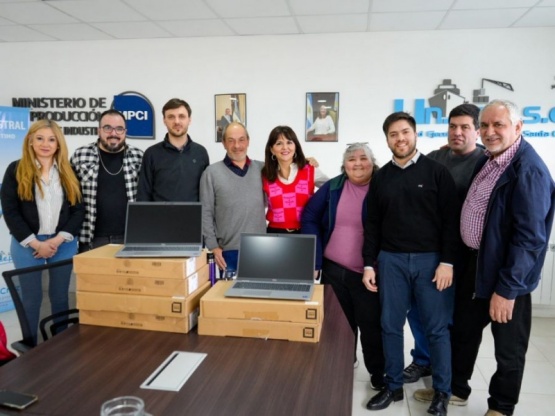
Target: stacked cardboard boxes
point(143, 293)
point(261, 318)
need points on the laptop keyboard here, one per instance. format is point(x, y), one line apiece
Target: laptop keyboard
point(162, 248)
point(272, 286)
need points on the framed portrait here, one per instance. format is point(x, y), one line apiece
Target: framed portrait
point(322, 116)
point(228, 108)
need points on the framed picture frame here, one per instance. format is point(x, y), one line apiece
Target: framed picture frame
point(229, 108)
point(322, 116)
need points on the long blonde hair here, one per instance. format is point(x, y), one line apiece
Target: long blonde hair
point(28, 174)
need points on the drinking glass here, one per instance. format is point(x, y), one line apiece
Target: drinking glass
point(124, 406)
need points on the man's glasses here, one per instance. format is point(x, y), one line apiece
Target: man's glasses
point(109, 129)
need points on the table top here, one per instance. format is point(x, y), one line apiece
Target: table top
point(76, 371)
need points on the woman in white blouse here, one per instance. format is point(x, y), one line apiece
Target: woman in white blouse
point(41, 202)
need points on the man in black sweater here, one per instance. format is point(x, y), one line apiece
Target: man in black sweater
point(411, 236)
point(459, 157)
point(172, 168)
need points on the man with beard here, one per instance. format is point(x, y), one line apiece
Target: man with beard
point(171, 169)
point(411, 236)
point(108, 170)
point(460, 157)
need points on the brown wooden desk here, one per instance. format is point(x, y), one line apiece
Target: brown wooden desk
point(76, 371)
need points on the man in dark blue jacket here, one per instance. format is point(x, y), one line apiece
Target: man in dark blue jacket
point(505, 224)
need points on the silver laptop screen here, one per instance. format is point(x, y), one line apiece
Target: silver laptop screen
point(277, 257)
point(163, 223)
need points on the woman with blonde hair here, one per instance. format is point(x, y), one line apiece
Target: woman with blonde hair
point(41, 202)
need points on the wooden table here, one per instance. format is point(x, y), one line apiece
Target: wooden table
point(76, 371)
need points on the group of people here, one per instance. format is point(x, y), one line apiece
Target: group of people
point(454, 240)
point(52, 202)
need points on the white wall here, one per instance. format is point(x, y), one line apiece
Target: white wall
point(369, 70)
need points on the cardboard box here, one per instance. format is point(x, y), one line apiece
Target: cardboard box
point(145, 321)
point(291, 331)
point(215, 305)
point(137, 285)
point(172, 306)
point(102, 260)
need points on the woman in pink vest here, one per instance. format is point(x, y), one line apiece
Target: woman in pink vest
point(288, 180)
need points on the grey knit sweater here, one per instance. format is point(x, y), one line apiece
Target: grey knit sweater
point(231, 205)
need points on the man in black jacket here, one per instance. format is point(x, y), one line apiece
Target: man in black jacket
point(171, 169)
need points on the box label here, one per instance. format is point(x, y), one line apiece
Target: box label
point(177, 307)
point(193, 283)
point(311, 314)
point(308, 333)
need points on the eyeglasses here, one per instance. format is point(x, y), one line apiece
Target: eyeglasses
point(109, 129)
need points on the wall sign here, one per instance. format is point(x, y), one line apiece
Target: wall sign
point(435, 110)
point(79, 116)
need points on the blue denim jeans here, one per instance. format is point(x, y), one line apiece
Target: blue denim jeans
point(231, 257)
point(403, 276)
point(421, 352)
point(31, 284)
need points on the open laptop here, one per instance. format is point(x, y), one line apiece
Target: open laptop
point(162, 229)
point(275, 266)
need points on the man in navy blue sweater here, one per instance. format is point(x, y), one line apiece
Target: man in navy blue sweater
point(411, 240)
point(460, 158)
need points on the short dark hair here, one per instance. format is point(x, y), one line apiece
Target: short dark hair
point(112, 112)
point(176, 103)
point(270, 169)
point(467, 109)
point(399, 115)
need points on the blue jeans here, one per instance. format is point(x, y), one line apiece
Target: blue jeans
point(421, 352)
point(403, 276)
point(230, 257)
point(31, 284)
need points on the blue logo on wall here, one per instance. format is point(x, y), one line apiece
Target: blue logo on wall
point(138, 112)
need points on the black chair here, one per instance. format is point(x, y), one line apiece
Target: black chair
point(56, 323)
point(49, 324)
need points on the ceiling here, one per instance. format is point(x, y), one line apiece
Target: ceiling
point(79, 20)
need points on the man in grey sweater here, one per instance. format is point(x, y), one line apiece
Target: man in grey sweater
point(232, 198)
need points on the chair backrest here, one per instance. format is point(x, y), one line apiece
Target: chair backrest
point(13, 280)
point(57, 322)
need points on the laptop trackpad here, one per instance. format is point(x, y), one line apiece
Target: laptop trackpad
point(258, 293)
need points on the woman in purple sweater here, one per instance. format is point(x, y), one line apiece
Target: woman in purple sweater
point(336, 214)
